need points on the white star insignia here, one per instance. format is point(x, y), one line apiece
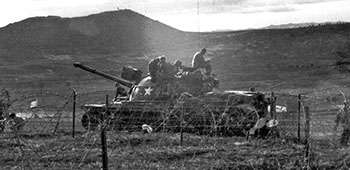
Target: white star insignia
point(148, 91)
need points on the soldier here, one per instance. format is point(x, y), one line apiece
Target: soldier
point(198, 61)
point(15, 122)
point(177, 65)
point(153, 67)
point(343, 118)
point(120, 92)
point(168, 71)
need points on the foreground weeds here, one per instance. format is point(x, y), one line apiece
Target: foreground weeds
point(163, 151)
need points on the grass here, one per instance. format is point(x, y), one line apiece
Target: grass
point(163, 151)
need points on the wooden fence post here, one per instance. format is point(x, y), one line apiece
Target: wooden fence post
point(73, 116)
point(299, 108)
point(181, 124)
point(103, 138)
point(273, 106)
point(307, 134)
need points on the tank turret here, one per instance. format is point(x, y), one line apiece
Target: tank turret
point(194, 83)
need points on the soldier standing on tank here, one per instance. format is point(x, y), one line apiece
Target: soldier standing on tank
point(120, 92)
point(198, 61)
point(343, 118)
point(154, 67)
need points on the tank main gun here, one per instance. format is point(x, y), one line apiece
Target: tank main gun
point(105, 75)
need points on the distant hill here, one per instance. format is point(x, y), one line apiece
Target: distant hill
point(108, 32)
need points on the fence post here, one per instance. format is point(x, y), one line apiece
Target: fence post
point(299, 108)
point(307, 134)
point(74, 102)
point(273, 106)
point(181, 123)
point(103, 138)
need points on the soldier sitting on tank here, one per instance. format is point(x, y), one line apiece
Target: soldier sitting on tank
point(120, 92)
point(198, 62)
point(153, 68)
point(168, 71)
point(178, 66)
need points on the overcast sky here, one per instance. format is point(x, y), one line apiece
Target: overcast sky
point(189, 15)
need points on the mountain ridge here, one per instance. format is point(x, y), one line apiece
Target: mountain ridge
point(106, 32)
point(299, 25)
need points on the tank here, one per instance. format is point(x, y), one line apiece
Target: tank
point(189, 101)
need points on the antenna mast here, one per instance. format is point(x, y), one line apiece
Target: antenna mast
point(198, 31)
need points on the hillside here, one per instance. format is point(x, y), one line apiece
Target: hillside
point(108, 32)
point(279, 59)
point(297, 58)
point(37, 54)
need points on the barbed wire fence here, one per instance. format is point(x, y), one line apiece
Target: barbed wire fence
point(47, 116)
point(310, 120)
point(52, 117)
point(47, 112)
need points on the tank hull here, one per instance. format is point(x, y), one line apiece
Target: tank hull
point(229, 113)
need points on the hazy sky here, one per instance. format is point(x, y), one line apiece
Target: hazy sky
point(189, 15)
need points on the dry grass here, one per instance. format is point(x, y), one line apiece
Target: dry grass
point(163, 151)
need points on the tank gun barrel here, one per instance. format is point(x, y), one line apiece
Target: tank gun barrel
point(105, 75)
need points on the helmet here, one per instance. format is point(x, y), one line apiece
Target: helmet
point(162, 58)
point(177, 63)
point(203, 51)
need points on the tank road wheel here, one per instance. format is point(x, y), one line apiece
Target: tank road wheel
point(90, 121)
point(236, 121)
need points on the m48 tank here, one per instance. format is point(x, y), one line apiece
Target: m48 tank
point(188, 101)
